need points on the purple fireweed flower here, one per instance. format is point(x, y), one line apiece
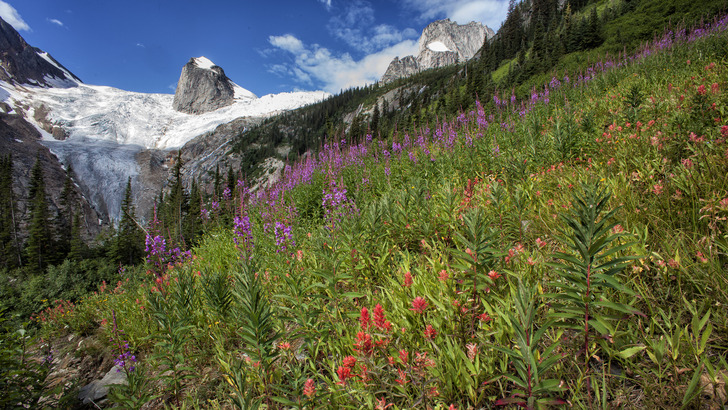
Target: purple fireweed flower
point(243, 232)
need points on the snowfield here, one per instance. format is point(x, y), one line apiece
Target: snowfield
point(91, 112)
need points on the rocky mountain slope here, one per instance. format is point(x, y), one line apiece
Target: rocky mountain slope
point(442, 43)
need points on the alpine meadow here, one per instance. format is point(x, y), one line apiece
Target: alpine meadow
point(543, 225)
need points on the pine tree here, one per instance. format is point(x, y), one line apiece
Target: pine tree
point(176, 203)
point(39, 247)
point(216, 187)
point(9, 245)
point(127, 245)
point(374, 126)
point(77, 247)
point(193, 223)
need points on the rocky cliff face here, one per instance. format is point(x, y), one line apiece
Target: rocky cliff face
point(203, 87)
point(399, 68)
point(21, 140)
point(23, 64)
point(442, 43)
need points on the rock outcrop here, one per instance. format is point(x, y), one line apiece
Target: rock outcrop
point(203, 86)
point(399, 68)
point(24, 64)
point(442, 43)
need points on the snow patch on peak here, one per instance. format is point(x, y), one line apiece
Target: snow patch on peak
point(438, 46)
point(204, 62)
point(242, 94)
point(69, 81)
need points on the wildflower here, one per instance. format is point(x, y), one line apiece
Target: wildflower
point(494, 275)
point(309, 389)
point(617, 229)
point(284, 345)
point(419, 304)
point(541, 243)
point(402, 380)
point(365, 320)
point(443, 275)
point(472, 350)
point(657, 188)
point(379, 321)
point(702, 258)
point(673, 263)
point(714, 88)
point(364, 344)
point(484, 317)
point(430, 332)
point(407, 279)
point(344, 374)
point(382, 404)
point(403, 356)
point(350, 362)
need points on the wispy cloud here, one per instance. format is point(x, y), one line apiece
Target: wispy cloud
point(355, 25)
point(317, 66)
point(55, 21)
point(326, 3)
point(9, 14)
point(140, 45)
point(490, 12)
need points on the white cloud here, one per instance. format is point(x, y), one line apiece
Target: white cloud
point(318, 67)
point(326, 3)
point(490, 12)
point(140, 45)
point(9, 14)
point(286, 42)
point(55, 21)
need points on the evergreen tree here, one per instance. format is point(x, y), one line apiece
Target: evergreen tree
point(216, 187)
point(374, 126)
point(127, 245)
point(39, 247)
point(193, 222)
point(77, 248)
point(176, 203)
point(9, 245)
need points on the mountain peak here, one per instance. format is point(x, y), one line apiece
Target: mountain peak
point(24, 64)
point(203, 87)
point(442, 43)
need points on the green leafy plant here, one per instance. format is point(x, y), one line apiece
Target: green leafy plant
point(588, 270)
point(530, 360)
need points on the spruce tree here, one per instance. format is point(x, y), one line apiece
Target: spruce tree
point(374, 126)
point(127, 246)
point(9, 247)
point(176, 203)
point(77, 247)
point(39, 247)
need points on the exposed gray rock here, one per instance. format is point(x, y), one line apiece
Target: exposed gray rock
point(202, 87)
point(442, 43)
point(98, 389)
point(399, 68)
point(23, 64)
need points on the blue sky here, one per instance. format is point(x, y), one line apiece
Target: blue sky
point(266, 46)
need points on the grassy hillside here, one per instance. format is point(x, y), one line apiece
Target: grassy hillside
point(569, 247)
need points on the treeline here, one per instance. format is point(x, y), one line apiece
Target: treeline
point(43, 256)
